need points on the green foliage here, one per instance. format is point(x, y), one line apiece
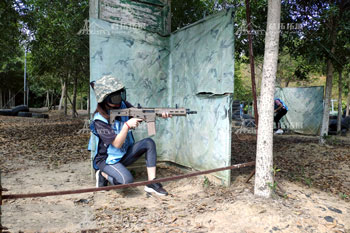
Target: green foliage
point(273, 186)
point(320, 20)
point(11, 74)
point(10, 36)
point(206, 182)
point(241, 92)
point(54, 25)
point(56, 49)
point(275, 170)
point(292, 69)
point(306, 179)
point(11, 56)
point(258, 17)
point(343, 196)
point(185, 12)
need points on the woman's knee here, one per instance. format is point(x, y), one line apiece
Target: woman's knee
point(129, 179)
point(149, 143)
point(123, 180)
point(119, 174)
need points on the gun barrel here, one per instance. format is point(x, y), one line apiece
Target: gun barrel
point(188, 111)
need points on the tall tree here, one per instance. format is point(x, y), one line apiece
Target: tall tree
point(334, 18)
point(264, 153)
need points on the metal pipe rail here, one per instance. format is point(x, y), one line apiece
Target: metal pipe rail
point(113, 187)
point(121, 186)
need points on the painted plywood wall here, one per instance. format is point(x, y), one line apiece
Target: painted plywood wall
point(191, 68)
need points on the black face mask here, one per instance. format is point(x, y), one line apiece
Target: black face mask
point(116, 98)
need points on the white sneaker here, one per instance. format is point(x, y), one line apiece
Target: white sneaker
point(279, 131)
point(100, 180)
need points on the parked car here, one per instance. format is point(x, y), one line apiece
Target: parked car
point(345, 124)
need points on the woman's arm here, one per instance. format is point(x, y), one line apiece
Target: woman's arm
point(279, 107)
point(120, 138)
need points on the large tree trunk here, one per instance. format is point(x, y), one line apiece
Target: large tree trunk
point(264, 152)
point(340, 84)
point(327, 101)
point(63, 87)
point(329, 85)
point(74, 104)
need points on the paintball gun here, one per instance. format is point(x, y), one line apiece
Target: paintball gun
point(149, 115)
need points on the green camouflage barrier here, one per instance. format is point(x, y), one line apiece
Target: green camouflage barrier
point(305, 109)
point(191, 68)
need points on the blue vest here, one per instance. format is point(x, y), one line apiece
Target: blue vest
point(114, 154)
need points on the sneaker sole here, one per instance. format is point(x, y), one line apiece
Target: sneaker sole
point(149, 190)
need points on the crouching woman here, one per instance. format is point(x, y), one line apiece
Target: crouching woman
point(115, 145)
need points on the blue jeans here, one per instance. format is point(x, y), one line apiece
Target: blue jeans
point(118, 173)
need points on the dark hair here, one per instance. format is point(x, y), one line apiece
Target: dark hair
point(101, 108)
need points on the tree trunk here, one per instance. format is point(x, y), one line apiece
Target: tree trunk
point(66, 94)
point(74, 104)
point(52, 102)
point(70, 101)
point(340, 84)
point(348, 99)
point(10, 99)
point(347, 105)
point(47, 102)
point(252, 65)
point(287, 83)
point(327, 100)
point(63, 87)
point(329, 84)
point(81, 103)
point(264, 152)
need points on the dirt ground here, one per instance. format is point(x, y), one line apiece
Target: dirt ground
point(49, 154)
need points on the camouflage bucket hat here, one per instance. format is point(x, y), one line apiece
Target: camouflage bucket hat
point(105, 86)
